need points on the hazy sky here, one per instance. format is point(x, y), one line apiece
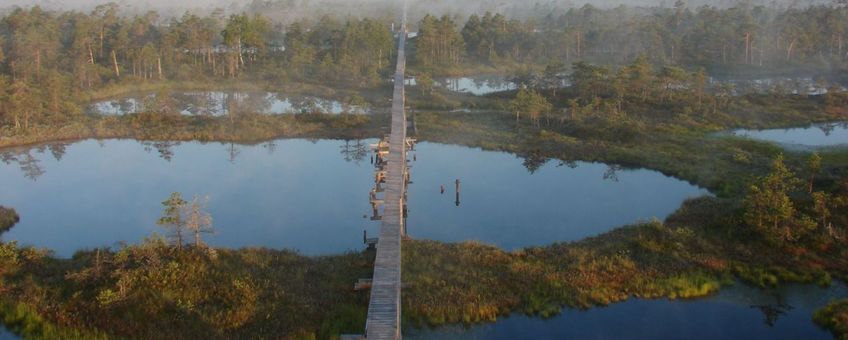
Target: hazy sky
point(286, 9)
point(133, 4)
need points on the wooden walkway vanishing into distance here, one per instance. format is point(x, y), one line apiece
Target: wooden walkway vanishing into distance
point(383, 321)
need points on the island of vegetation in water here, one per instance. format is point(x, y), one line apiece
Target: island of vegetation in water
point(626, 85)
point(8, 218)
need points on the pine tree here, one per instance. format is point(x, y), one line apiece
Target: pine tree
point(172, 218)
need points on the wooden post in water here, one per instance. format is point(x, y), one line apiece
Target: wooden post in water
point(458, 187)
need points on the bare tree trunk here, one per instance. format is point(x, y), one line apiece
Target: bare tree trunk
point(37, 63)
point(579, 38)
point(115, 63)
point(101, 41)
point(789, 49)
point(159, 66)
point(240, 56)
point(179, 234)
point(672, 53)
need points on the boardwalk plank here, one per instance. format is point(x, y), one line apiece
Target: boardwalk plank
point(384, 309)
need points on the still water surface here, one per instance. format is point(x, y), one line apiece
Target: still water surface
point(817, 135)
point(476, 85)
point(6, 335)
point(313, 195)
point(737, 312)
point(220, 103)
point(479, 85)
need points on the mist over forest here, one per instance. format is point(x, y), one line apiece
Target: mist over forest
point(290, 10)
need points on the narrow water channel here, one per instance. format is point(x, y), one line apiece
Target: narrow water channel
point(737, 312)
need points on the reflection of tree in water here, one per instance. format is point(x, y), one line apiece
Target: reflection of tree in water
point(162, 102)
point(29, 164)
point(772, 312)
point(497, 83)
point(58, 150)
point(354, 151)
point(327, 106)
point(211, 104)
point(569, 164)
point(255, 102)
point(270, 146)
point(827, 129)
point(305, 105)
point(355, 104)
point(193, 103)
point(611, 173)
point(165, 149)
point(534, 161)
point(481, 82)
point(233, 153)
point(129, 105)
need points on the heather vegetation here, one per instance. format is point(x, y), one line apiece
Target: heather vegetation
point(835, 318)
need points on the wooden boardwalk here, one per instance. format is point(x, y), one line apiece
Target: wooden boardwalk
point(383, 320)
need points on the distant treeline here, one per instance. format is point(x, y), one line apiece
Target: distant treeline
point(48, 59)
point(741, 38)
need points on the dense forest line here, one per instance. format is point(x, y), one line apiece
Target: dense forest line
point(738, 38)
point(50, 61)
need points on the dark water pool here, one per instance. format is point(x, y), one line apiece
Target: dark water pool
point(737, 312)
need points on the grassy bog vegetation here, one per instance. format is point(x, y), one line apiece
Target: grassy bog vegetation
point(685, 257)
point(835, 318)
point(147, 289)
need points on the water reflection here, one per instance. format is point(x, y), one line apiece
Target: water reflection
point(220, 103)
point(294, 194)
point(783, 86)
point(817, 135)
point(25, 158)
point(165, 149)
point(475, 85)
point(611, 174)
point(738, 312)
point(515, 204)
point(354, 151)
point(310, 194)
point(478, 85)
point(6, 335)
